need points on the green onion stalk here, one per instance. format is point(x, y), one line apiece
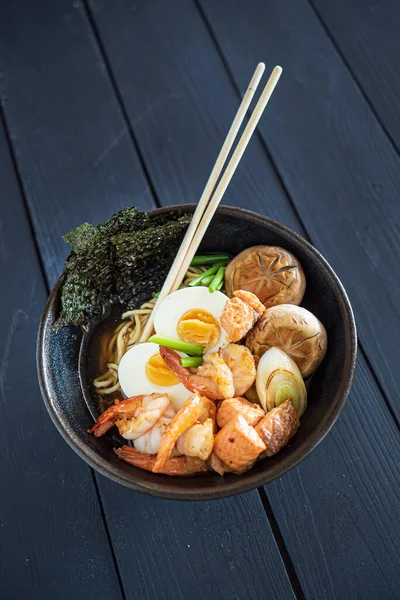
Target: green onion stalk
point(209, 259)
point(174, 344)
point(191, 361)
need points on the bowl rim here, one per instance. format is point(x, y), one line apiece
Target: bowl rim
point(238, 484)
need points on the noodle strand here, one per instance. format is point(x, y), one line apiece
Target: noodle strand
point(127, 334)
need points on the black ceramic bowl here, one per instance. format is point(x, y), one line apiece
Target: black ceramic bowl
point(231, 230)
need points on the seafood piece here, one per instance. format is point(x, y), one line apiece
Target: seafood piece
point(232, 407)
point(203, 382)
point(197, 440)
point(120, 409)
point(294, 330)
point(146, 416)
point(150, 441)
point(273, 274)
point(177, 466)
point(241, 364)
point(237, 319)
point(217, 465)
point(240, 314)
point(184, 418)
point(277, 427)
point(238, 444)
point(209, 412)
point(133, 416)
point(252, 300)
point(215, 367)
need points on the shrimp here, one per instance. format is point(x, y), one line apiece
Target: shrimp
point(186, 416)
point(178, 466)
point(209, 412)
point(150, 441)
point(133, 417)
point(241, 364)
point(238, 445)
point(239, 406)
point(197, 440)
point(240, 314)
point(120, 409)
point(215, 367)
point(203, 382)
point(146, 416)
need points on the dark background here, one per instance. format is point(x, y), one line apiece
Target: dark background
point(107, 104)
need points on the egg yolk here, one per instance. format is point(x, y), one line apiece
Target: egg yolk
point(158, 373)
point(199, 326)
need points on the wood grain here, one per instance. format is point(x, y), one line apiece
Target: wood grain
point(366, 34)
point(234, 540)
point(76, 154)
point(220, 549)
point(181, 104)
point(319, 569)
point(339, 167)
point(53, 542)
point(345, 500)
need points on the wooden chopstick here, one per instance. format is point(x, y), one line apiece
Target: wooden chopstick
point(176, 268)
point(228, 174)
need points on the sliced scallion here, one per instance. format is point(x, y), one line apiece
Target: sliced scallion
point(191, 361)
point(174, 344)
point(212, 271)
point(209, 259)
point(218, 279)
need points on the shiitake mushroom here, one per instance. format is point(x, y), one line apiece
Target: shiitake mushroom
point(272, 273)
point(294, 330)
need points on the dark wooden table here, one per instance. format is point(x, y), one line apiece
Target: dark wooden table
point(108, 104)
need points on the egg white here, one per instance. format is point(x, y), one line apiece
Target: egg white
point(178, 303)
point(134, 381)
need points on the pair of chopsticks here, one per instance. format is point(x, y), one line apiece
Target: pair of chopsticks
point(206, 207)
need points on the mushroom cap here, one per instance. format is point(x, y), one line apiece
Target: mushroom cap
point(293, 329)
point(272, 273)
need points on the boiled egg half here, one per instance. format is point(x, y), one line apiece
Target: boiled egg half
point(143, 371)
point(193, 315)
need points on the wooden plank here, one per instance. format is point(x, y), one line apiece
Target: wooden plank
point(338, 510)
point(345, 501)
point(153, 566)
point(53, 542)
point(367, 36)
point(181, 104)
point(218, 550)
point(171, 44)
point(339, 167)
point(76, 149)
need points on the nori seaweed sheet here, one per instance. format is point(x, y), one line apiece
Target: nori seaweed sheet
point(124, 259)
point(142, 259)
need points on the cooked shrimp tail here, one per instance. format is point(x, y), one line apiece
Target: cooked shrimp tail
point(203, 382)
point(177, 466)
point(173, 362)
point(205, 386)
point(121, 409)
